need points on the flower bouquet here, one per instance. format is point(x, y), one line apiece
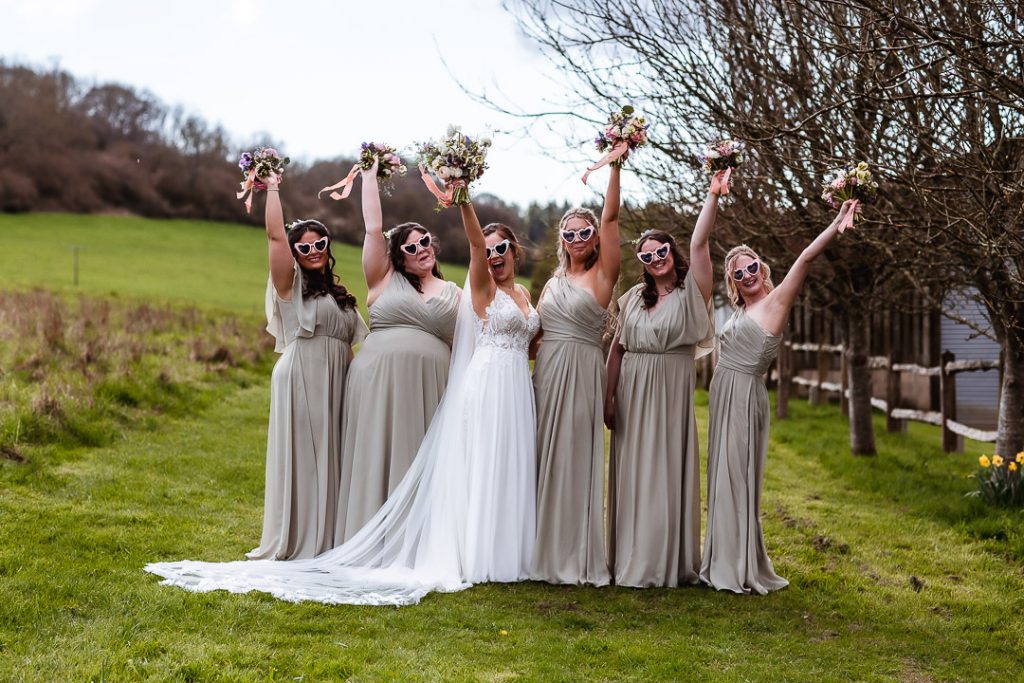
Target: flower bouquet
point(723, 155)
point(389, 165)
point(263, 162)
point(457, 160)
point(624, 133)
point(853, 181)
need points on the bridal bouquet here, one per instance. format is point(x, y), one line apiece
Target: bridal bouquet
point(389, 165)
point(457, 160)
point(723, 155)
point(263, 162)
point(624, 133)
point(853, 181)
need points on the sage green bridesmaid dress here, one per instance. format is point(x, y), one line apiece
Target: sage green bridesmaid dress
point(394, 386)
point(569, 383)
point(735, 557)
point(656, 538)
point(314, 337)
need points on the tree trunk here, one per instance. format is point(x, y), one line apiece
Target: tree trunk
point(1010, 438)
point(862, 432)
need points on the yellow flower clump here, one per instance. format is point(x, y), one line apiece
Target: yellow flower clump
point(983, 461)
point(1012, 466)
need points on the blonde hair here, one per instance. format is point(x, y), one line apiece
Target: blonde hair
point(730, 284)
point(563, 256)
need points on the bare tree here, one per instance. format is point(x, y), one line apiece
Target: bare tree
point(929, 91)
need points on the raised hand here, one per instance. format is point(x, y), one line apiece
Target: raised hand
point(372, 171)
point(719, 184)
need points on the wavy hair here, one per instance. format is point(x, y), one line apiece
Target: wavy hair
point(314, 282)
point(730, 284)
point(396, 238)
point(681, 265)
point(563, 256)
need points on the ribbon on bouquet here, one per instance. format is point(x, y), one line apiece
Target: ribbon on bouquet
point(850, 215)
point(444, 198)
point(614, 154)
point(248, 188)
point(345, 182)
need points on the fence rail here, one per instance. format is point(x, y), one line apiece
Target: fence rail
point(946, 371)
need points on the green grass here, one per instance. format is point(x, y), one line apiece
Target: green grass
point(187, 262)
point(895, 574)
point(848, 532)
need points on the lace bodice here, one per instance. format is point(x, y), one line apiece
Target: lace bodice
point(505, 327)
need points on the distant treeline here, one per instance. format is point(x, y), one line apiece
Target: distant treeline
point(68, 145)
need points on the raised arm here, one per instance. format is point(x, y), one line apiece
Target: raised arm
point(479, 275)
point(611, 255)
point(375, 252)
point(776, 307)
point(279, 254)
point(700, 241)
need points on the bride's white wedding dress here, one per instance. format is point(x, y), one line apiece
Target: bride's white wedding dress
point(464, 513)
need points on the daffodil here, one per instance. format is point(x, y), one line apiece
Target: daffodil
point(1020, 458)
point(1012, 466)
point(983, 461)
point(997, 460)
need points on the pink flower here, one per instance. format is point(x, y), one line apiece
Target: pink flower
point(270, 152)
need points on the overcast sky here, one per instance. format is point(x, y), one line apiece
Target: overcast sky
point(320, 76)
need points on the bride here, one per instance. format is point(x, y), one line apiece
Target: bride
point(464, 512)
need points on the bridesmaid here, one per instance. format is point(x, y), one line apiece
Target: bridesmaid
point(397, 380)
point(569, 380)
point(735, 558)
point(665, 322)
point(314, 321)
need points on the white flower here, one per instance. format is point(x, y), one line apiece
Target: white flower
point(444, 172)
point(456, 172)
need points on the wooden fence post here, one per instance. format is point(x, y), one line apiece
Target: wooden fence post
point(892, 395)
point(844, 383)
point(817, 396)
point(784, 364)
point(951, 443)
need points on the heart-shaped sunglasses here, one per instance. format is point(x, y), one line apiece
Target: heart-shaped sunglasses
point(305, 247)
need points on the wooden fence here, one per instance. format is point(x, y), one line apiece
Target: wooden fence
point(896, 417)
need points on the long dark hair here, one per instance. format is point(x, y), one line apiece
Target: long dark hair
point(396, 238)
point(682, 266)
point(314, 282)
point(506, 232)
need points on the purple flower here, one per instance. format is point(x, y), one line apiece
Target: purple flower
point(245, 161)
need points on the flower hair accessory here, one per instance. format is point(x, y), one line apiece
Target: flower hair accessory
point(644, 235)
point(389, 233)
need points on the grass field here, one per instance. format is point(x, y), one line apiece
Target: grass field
point(186, 262)
point(895, 575)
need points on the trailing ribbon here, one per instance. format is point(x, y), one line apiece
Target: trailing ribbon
point(443, 198)
point(248, 189)
point(613, 154)
point(848, 219)
point(345, 182)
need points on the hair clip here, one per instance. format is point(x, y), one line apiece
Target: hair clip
point(388, 233)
